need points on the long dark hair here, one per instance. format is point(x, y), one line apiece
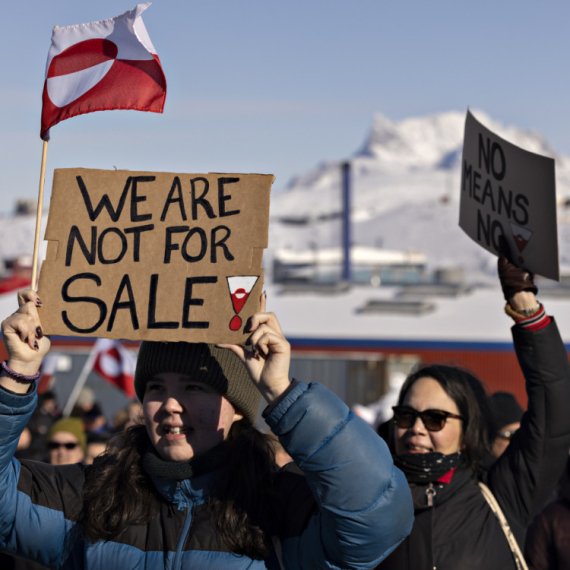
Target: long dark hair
point(118, 493)
point(468, 393)
point(244, 492)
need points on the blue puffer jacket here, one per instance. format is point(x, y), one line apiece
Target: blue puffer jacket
point(349, 509)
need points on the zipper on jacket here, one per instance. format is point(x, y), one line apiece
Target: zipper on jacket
point(430, 494)
point(182, 540)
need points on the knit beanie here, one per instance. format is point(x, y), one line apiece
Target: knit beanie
point(217, 367)
point(505, 409)
point(72, 425)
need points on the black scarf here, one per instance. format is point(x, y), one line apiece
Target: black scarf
point(427, 467)
point(154, 465)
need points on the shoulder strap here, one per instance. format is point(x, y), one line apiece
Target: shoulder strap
point(278, 551)
point(517, 554)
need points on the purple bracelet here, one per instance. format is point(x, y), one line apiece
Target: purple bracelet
point(17, 376)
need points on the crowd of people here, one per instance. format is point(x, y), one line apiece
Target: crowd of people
point(81, 437)
point(456, 478)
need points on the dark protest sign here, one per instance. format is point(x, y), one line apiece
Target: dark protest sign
point(154, 255)
point(508, 191)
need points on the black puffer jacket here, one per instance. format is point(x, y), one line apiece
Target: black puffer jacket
point(461, 531)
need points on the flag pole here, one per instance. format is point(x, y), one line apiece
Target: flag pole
point(39, 218)
point(80, 382)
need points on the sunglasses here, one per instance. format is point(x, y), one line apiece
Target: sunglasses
point(433, 420)
point(52, 445)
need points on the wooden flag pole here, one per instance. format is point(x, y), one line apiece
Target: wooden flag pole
point(39, 218)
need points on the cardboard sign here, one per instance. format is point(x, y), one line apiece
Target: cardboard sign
point(154, 255)
point(508, 191)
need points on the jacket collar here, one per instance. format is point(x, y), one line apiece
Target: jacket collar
point(188, 491)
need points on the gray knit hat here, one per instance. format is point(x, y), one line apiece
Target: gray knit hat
point(218, 367)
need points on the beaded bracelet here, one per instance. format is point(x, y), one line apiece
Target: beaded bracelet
point(522, 313)
point(17, 376)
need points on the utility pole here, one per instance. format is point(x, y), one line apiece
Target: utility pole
point(346, 270)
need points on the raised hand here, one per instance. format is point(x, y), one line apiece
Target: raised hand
point(24, 339)
point(518, 286)
point(269, 358)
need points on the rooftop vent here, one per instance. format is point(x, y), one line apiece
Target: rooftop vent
point(397, 307)
point(320, 288)
point(442, 290)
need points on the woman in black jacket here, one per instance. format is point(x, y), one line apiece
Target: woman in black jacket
point(440, 438)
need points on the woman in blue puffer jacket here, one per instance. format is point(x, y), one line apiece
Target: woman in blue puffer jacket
point(196, 486)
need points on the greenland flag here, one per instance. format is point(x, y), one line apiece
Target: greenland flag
point(115, 364)
point(47, 372)
point(101, 66)
point(240, 287)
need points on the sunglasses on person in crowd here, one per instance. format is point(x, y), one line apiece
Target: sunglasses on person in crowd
point(433, 420)
point(56, 445)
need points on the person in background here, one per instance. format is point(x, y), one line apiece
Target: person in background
point(84, 403)
point(96, 445)
point(44, 415)
point(66, 442)
point(547, 545)
point(128, 416)
point(47, 405)
point(134, 415)
point(94, 421)
point(33, 441)
point(506, 414)
point(120, 418)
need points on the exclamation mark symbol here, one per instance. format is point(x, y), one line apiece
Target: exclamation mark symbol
point(240, 287)
point(522, 237)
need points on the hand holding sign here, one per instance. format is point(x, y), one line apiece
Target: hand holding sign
point(510, 193)
point(270, 355)
point(513, 279)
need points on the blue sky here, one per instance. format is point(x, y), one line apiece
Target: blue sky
point(276, 87)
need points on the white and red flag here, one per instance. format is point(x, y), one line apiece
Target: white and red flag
point(116, 364)
point(101, 66)
point(47, 372)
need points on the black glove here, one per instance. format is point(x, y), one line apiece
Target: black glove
point(513, 279)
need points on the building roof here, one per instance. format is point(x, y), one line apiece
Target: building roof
point(332, 315)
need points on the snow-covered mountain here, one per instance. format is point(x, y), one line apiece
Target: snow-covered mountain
point(406, 186)
point(435, 141)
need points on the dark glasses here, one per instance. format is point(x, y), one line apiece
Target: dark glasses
point(433, 420)
point(56, 445)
